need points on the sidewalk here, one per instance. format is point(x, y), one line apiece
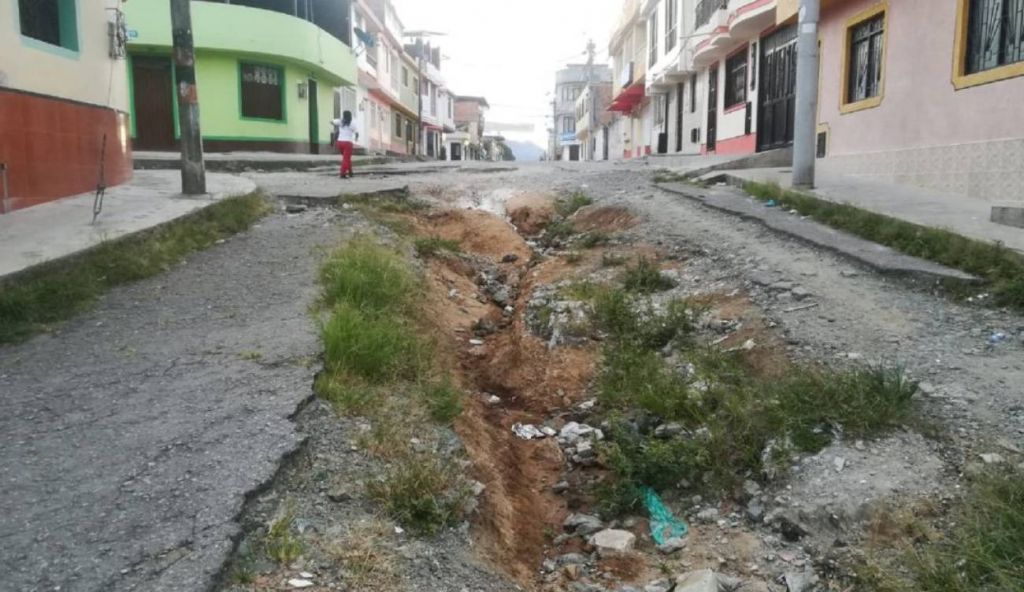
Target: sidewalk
point(962, 215)
point(63, 227)
point(242, 161)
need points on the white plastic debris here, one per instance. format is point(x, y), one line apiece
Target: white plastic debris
point(297, 583)
point(476, 341)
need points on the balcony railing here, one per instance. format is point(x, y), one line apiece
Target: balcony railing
point(706, 8)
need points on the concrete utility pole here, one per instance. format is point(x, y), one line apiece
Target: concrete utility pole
point(592, 117)
point(193, 171)
point(805, 129)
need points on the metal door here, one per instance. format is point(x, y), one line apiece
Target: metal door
point(314, 117)
point(777, 107)
point(712, 135)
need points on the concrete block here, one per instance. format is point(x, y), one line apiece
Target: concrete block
point(1009, 214)
point(613, 541)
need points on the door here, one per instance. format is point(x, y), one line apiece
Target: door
point(777, 109)
point(712, 135)
point(679, 117)
point(153, 103)
point(456, 151)
point(604, 143)
point(314, 117)
point(574, 152)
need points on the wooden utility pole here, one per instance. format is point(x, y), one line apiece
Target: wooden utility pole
point(193, 171)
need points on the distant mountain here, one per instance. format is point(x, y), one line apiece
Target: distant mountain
point(525, 151)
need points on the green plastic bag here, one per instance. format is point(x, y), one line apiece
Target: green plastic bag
point(664, 525)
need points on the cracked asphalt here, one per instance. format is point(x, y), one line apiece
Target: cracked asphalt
point(129, 438)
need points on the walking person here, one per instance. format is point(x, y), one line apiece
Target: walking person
point(346, 136)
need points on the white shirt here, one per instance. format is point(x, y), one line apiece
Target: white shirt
point(346, 133)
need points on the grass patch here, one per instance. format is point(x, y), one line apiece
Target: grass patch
point(280, 544)
point(430, 246)
point(370, 278)
point(38, 299)
point(738, 424)
point(444, 401)
point(593, 239)
point(570, 204)
point(368, 562)
point(612, 260)
point(557, 232)
point(394, 201)
point(645, 278)
point(421, 493)
point(374, 347)
point(1002, 268)
point(983, 549)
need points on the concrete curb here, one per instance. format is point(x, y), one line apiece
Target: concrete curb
point(130, 212)
point(878, 257)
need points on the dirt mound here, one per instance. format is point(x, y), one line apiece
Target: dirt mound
point(477, 232)
point(603, 219)
point(530, 212)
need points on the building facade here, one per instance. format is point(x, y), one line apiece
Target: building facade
point(266, 82)
point(924, 93)
point(370, 100)
point(677, 114)
point(63, 100)
point(466, 143)
point(631, 130)
point(570, 83)
point(593, 120)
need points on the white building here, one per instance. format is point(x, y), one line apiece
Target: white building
point(672, 82)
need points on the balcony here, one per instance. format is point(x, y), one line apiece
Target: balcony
point(250, 31)
point(705, 9)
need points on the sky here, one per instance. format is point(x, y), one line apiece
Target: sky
point(509, 51)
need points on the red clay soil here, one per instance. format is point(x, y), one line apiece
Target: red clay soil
point(530, 212)
point(517, 506)
point(603, 219)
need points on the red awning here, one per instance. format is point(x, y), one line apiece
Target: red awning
point(628, 99)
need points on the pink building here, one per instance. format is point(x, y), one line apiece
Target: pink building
point(925, 92)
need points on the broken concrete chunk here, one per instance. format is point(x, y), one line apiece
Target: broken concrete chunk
point(801, 581)
point(799, 293)
point(611, 540)
point(668, 430)
point(572, 432)
point(992, 458)
point(702, 580)
point(672, 545)
point(527, 431)
point(662, 585)
point(583, 524)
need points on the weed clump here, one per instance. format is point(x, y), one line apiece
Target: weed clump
point(593, 239)
point(368, 277)
point(646, 278)
point(280, 544)
point(569, 205)
point(444, 401)
point(421, 492)
point(430, 246)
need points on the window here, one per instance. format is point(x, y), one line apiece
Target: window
point(262, 89)
point(653, 36)
point(736, 79)
point(671, 20)
point(51, 21)
point(995, 34)
point(398, 125)
point(864, 67)
point(568, 125)
point(405, 77)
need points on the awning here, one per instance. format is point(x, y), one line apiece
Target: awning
point(628, 99)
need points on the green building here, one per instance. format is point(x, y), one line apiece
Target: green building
point(266, 71)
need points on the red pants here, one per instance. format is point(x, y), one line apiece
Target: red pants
point(346, 157)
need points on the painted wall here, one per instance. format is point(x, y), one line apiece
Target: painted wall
point(84, 75)
point(919, 107)
point(218, 80)
point(56, 106)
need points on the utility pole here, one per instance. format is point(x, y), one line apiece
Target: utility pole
point(592, 115)
point(419, 91)
point(805, 127)
point(193, 171)
point(554, 128)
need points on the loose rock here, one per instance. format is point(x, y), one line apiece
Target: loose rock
point(613, 541)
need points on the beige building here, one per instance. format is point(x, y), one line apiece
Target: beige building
point(63, 99)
